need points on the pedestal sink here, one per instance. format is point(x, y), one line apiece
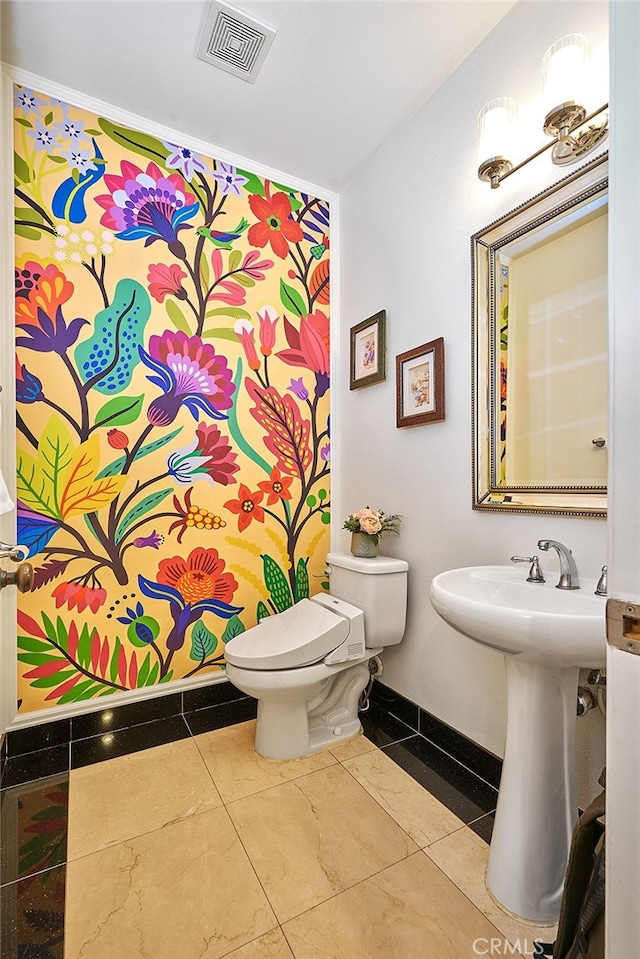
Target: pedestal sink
point(547, 635)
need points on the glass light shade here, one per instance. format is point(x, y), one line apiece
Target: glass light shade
point(495, 129)
point(565, 71)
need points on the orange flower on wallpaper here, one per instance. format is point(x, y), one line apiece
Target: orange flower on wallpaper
point(246, 507)
point(274, 227)
point(198, 577)
point(276, 487)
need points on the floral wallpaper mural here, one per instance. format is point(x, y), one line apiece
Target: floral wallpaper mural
point(172, 368)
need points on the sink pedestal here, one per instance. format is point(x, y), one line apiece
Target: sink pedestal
point(537, 805)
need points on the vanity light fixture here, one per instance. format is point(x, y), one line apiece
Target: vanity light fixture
point(566, 78)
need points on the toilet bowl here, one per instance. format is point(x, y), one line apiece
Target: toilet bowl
point(309, 665)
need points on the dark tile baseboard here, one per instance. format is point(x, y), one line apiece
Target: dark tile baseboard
point(465, 752)
point(56, 747)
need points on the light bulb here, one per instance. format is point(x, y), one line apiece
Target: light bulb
point(495, 129)
point(564, 71)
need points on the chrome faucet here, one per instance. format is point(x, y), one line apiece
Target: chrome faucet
point(568, 569)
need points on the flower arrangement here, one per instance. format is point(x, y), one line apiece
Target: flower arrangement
point(374, 522)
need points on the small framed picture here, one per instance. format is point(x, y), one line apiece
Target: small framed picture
point(420, 385)
point(368, 352)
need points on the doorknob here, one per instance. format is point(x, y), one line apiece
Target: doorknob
point(21, 578)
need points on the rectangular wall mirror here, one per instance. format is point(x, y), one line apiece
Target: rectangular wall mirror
point(540, 379)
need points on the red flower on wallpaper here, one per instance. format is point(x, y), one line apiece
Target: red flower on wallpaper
point(275, 226)
point(79, 596)
point(276, 487)
point(246, 507)
point(198, 577)
point(166, 281)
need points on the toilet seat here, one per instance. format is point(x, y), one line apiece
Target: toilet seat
point(299, 636)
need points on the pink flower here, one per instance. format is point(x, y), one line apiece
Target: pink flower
point(75, 594)
point(247, 336)
point(268, 320)
point(166, 281)
point(309, 347)
point(369, 520)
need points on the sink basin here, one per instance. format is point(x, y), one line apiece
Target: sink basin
point(496, 606)
point(547, 635)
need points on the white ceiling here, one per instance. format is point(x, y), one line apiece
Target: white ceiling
point(340, 77)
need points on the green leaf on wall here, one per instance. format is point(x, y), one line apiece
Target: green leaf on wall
point(83, 654)
point(86, 689)
point(277, 583)
point(28, 232)
point(234, 627)
point(254, 184)
point(144, 506)
point(203, 643)
point(235, 312)
point(119, 411)
point(177, 317)
point(291, 299)
point(37, 477)
point(153, 675)
point(261, 611)
point(302, 580)
point(116, 467)
point(143, 673)
point(141, 143)
point(235, 258)
point(236, 433)
point(246, 281)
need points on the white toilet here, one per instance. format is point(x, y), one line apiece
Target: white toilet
point(308, 666)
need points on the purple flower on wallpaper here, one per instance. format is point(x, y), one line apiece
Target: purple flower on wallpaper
point(149, 206)
point(28, 101)
point(28, 386)
point(154, 540)
point(325, 453)
point(42, 136)
point(299, 389)
point(184, 159)
point(80, 160)
point(229, 179)
point(71, 130)
point(190, 373)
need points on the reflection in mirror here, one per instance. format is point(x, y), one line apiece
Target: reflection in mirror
point(540, 351)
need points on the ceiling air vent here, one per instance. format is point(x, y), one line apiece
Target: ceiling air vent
point(234, 42)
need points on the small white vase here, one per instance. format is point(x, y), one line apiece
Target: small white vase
point(364, 545)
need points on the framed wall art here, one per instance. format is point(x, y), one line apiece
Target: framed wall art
point(420, 385)
point(368, 352)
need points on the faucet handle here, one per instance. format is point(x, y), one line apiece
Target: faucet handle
point(601, 588)
point(535, 573)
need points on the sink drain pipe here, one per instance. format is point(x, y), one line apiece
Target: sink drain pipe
point(376, 668)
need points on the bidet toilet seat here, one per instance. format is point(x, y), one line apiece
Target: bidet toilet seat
point(298, 637)
point(297, 677)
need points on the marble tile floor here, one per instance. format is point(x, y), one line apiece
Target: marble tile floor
point(198, 847)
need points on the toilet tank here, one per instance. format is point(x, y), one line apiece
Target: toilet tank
point(378, 587)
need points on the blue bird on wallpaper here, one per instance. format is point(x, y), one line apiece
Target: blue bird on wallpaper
point(68, 200)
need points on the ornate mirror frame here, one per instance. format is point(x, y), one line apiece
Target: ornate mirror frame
point(587, 185)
